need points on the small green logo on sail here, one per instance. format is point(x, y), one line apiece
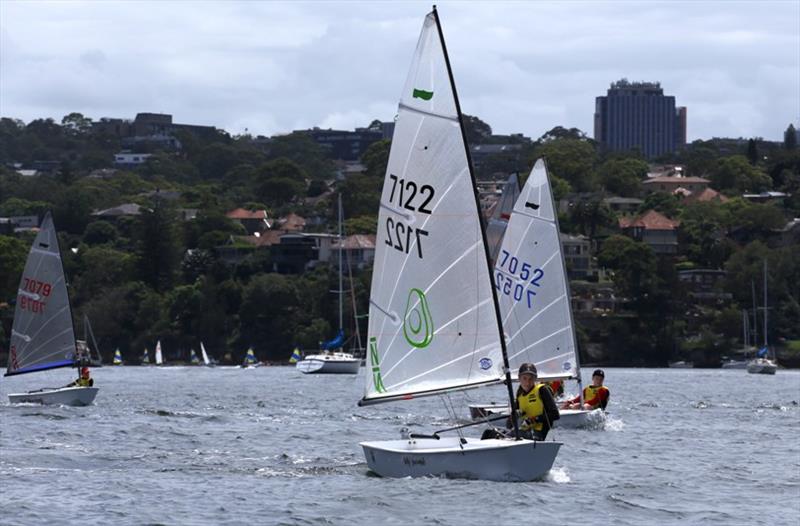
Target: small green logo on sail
point(422, 94)
point(417, 322)
point(376, 367)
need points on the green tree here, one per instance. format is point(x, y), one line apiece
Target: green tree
point(477, 131)
point(76, 124)
point(572, 160)
point(13, 254)
point(267, 314)
point(666, 204)
point(376, 158)
point(623, 177)
point(752, 152)
point(99, 233)
point(790, 138)
point(158, 247)
point(735, 174)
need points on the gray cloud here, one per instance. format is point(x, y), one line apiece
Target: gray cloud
point(272, 67)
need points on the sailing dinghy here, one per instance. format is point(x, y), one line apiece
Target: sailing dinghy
point(159, 356)
point(206, 360)
point(43, 335)
point(117, 357)
point(531, 281)
point(434, 322)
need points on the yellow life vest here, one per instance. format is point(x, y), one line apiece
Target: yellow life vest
point(590, 392)
point(531, 406)
point(84, 382)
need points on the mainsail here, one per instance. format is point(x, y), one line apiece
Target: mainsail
point(433, 325)
point(159, 357)
point(498, 221)
point(205, 354)
point(531, 282)
point(42, 336)
point(117, 357)
point(193, 357)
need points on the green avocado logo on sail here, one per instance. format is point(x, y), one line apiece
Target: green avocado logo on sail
point(422, 94)
point(417, 322)
point(376, 366)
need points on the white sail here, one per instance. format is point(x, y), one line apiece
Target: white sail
point(42, 336)
point(432, 318)
point(496, 226)
point(159, 357)
point(204, 353)
point(531, 284)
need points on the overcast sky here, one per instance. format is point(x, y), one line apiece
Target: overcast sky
point(272, 67)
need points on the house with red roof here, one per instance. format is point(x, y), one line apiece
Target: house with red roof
point(252, 220)
point(653, 228)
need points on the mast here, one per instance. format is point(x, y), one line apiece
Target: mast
point(511, 398)
point(765, 303)
point(569, 292)
point(341, 248)
point(66, 285)
point(754, 338)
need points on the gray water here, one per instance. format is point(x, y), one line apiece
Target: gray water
point(193, 445)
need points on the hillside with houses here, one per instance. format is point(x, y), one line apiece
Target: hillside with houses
point(185, 233)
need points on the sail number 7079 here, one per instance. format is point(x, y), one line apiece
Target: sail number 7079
point(410, 196)
point(517, 277)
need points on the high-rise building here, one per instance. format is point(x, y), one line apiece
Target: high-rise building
point(637, 115)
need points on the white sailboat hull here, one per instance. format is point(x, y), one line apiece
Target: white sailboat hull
point(324, 364)
point(75, 396)
point(494, 459)
point(569, 418)
point(762, 366)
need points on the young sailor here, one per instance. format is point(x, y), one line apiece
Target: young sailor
point(84, 380)
point(594, 396)
point(537, 409)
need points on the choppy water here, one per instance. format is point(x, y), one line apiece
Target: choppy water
point(192, 445)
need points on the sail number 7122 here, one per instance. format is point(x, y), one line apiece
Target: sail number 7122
point(411, 196)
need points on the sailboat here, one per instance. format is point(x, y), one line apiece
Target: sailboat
point(43, 336)
point(296, 356)
point(250, 360)
point(434, 320)
point(332, 360)
point(159, 357)
point(117, 357)
point(193, 359)
point(145, 357)
point(85, 350)
point(206, 360)
point(531, 281)
point(762, 364)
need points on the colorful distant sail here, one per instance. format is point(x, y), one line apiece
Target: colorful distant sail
point(250, 357)
point(159, 356)
point(296, 356)
point(146, 357)
point(193, 357)
point(117, 357)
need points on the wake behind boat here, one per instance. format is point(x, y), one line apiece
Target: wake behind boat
point(434, 320)
point(43, 336)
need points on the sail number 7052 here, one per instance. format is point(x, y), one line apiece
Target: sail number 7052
point(506, 281)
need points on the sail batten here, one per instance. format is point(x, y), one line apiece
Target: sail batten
point(42, 336)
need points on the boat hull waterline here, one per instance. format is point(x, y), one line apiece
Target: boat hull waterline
point(74, 396)
point(501, 460)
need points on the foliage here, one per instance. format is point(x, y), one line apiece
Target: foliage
point(622, 177)
point(572, 160)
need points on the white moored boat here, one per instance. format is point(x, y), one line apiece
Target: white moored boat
point(761, 364)
point(329, 363)
point(331, 360)
point(532, 288)
point(42, 336)
point(434, 322)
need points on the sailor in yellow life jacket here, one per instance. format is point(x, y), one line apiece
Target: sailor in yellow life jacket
point(535, 403)
point(84, 380)
point(595, 395)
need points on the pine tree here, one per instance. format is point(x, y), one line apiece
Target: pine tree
point(790, 138)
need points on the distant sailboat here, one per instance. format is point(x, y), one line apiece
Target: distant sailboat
point(296, 356)
point(193, 359)
point(145, 357)
point(250, 360)
point(117, 357)
point(206, 361)
point(42, 335)
point(762, 364)
point(496, 226)
point(159, 357)
point(333, 359)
